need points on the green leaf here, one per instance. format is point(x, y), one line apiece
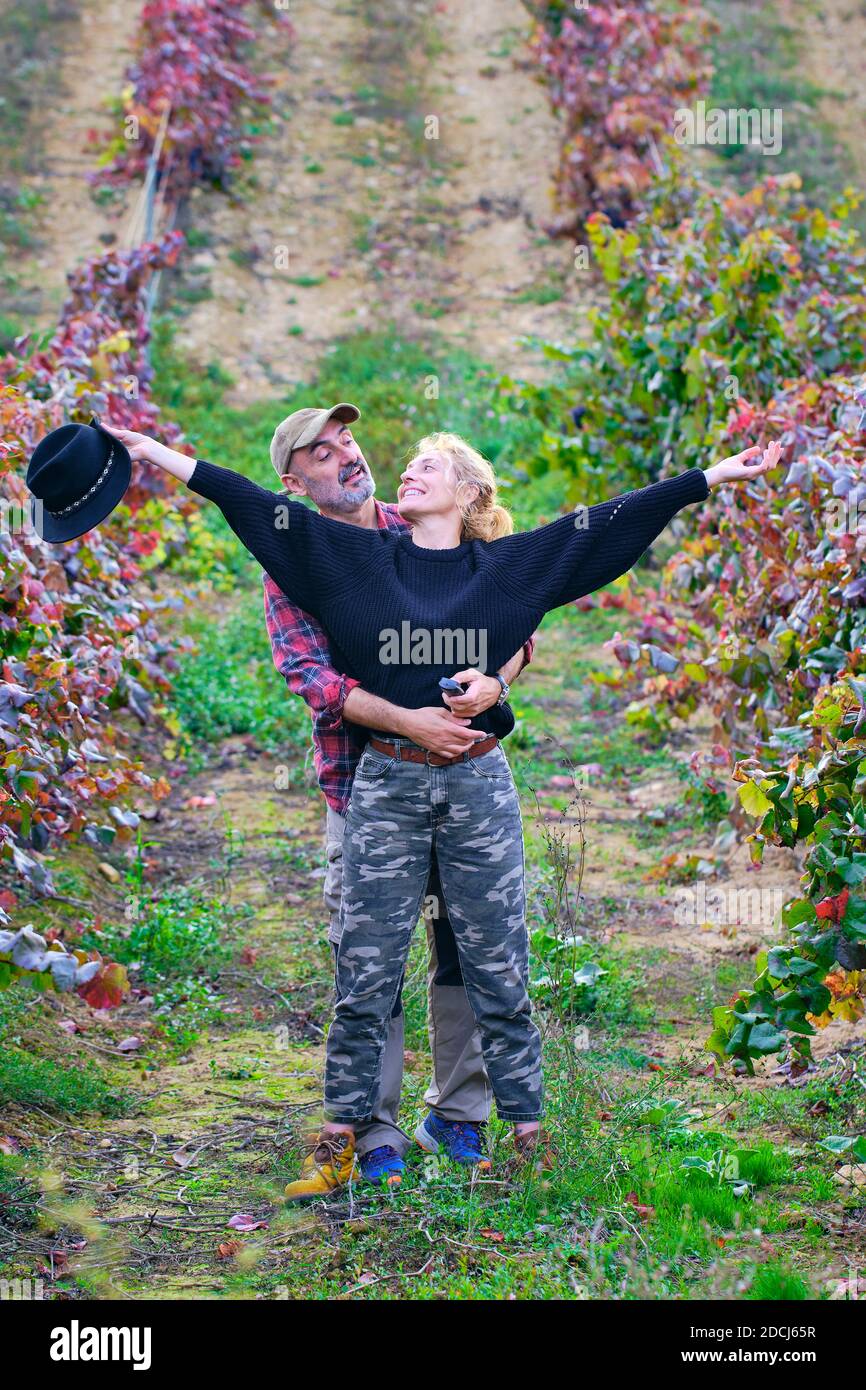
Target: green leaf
point(717, 1043)
point(764, 1039)
point(695, 672)
point(837, 1143)
point(854, 921)
point(852, 870)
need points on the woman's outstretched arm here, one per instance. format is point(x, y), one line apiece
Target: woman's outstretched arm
point(307, 556)
point(592, 546)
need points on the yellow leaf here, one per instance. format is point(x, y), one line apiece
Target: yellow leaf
point(118, 342)
point(847, 1009)
point(753, 800)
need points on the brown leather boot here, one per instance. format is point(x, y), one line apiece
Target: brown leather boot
point(328, 1167)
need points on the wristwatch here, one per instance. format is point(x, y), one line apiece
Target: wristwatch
point(505, 688)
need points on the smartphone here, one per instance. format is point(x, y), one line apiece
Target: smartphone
point(450, 687)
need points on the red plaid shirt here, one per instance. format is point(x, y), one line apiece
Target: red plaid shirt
point(302, 655)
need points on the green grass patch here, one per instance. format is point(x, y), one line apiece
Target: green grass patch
point(174, 939)
point(548, 290)
point(775, 1283)
point(620, 1215)
point(18, 1195)
point(228, 685)
point(28, 1080)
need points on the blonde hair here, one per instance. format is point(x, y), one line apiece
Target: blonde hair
point(484, 519)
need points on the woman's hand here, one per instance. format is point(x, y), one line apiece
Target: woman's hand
point(738, 467)
point(142, 447)
point(481, 693)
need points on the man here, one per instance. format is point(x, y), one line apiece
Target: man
point(315, 455)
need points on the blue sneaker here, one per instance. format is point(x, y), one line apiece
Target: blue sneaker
point(460, 1141)
point(383, 1165)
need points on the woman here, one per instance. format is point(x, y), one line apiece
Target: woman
point(460, 571)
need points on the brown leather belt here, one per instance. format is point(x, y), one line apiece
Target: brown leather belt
point(408, 753)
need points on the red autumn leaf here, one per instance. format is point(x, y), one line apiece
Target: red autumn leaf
point(228, 1249)
point(640, 1208)
point(833, 909)
point(108, 989)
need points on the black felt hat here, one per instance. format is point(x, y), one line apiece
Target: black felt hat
point(77, 475)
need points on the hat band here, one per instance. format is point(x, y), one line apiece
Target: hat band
point(73, 506)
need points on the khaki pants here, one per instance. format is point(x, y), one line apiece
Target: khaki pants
point(459, 1088)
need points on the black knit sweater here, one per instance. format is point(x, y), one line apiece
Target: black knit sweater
point(377, 593)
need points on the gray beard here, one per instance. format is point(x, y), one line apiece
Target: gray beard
point(344, 499)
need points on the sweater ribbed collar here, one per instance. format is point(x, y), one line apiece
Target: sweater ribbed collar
point(452, 555)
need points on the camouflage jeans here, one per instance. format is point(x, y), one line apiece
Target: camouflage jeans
point(469, 812)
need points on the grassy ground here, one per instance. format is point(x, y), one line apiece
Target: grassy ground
point(129, 1140)
point(31, 37)
point(144, 1156)
point(761, 63)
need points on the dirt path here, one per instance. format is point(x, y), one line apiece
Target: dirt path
point(216, 1116)
point(358, 219)
point(71, 224)
point(831, 55)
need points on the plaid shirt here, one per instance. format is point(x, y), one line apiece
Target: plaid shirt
point(302, 655)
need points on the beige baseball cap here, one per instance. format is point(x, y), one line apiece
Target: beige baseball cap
point(302, 427)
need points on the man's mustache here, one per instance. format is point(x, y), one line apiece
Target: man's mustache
point(346, 473)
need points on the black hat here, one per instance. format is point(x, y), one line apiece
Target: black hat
point(77, 475)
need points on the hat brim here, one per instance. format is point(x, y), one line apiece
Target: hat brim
point(344, 412)
point(96, 508)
